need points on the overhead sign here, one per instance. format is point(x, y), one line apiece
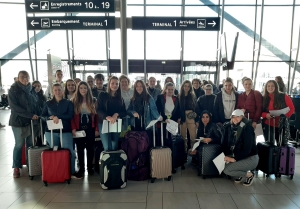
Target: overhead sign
point(68, 6)
point(176, 23)
point(71, 23)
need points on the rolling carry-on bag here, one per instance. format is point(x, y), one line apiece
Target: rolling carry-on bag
point(286, 159)
point(160, 160)
point(268, 154)
point(206, 153)
point(34, 155)
point(113, 174)
point(56, 164)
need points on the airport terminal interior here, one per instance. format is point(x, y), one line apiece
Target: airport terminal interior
point(259, 39)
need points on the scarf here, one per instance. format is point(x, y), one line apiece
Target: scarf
point(138, 105)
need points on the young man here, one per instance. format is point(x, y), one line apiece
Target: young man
point(58, 79)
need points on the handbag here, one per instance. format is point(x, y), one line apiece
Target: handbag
point(191, 115)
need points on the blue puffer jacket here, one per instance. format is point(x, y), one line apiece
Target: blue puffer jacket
point(64, 110)
point(150, 112)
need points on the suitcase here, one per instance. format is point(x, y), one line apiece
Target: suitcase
point(179, 156)
point(287, 159)
point(56, 164)
point(206, 153)
point(113, 174)
point(160, 160)
point(268, 155)
point(34, 155)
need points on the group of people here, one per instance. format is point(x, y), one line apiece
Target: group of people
point(85, 105)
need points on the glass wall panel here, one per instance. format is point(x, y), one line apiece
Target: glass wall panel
point(165, 11)
point(280, 2)
point(115, 44)
point(241, 69)
point(135, 1)
point(296, 30)
point(276, 33)
point(201, 2)
point(13, 30)
point(163, 2)
point(238, 2)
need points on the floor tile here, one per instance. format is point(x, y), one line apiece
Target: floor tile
point(8, 198)
point(13, 185)
point(154, 200)
point(215, 201)
point(193, 184)
point(293, 185)
point(123, 197)
point(180, 201)
point(121, 205)
point(256, 188)
point(77, 197)
point(55, 205)
point(275, 201)
point(132, 186)
point(224, 185)
point(44, 201)
point(3, 180)
point(294, 198)
point(161, 186)
point(52, 187)
point(27, 200)
point(276, 186)
point(31, 186)
point(245, 201)
point(92, 187)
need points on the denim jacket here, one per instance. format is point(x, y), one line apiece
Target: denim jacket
point(150, 111)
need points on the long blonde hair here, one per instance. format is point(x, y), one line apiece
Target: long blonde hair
point(78, 100)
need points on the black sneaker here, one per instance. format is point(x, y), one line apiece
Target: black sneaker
point(238, 180)
point(249, 181)
point(77, 176)
point(90, 171)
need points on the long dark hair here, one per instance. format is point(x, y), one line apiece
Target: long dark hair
point(190, 97)
point(201, 125)
point(118, 92)
point(278, 104)
point(280, 83)
point(145, 95)
point(66, 92)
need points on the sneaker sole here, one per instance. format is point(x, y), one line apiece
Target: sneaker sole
point(246, 185)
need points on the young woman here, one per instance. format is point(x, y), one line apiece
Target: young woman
point(273, 99)
point(281, 84)
point(70, 89)
point(226, 101)
point(189, 111)
point(168, 106)
point(37, 88)
point(86, 119)
point(111, 106)
point(23, 104)
point(239, 147)
point(90, 80)
point(170, 80)
point(55, 109)
point(152, 90)
point(142, 107)
point(126, 91)
point(99, 79)
point(250, 102)
point(206, 102)
point(197, 87)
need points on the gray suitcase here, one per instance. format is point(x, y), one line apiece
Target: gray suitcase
point(34, 155)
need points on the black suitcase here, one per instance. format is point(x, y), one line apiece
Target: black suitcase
point(206, 153)
point(268, 155)
point(179, 156)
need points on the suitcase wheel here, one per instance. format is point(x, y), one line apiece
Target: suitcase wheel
point(169, 178)
point(31, 177)
point(152, 180)
point(173, 171)
point(278, 175)
point(291, 177)
point(182, 167)
point(45, 183)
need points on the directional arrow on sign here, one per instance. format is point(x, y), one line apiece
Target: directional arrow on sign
point(212, 23)
point(34, 23)
point(33, 5)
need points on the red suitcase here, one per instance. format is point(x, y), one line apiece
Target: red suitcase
point(56, 165)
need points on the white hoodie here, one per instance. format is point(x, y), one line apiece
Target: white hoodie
point(228, 103)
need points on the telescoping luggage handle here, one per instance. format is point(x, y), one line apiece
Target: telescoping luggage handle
point(32, 132)
point(161, 134)
point(270, 130)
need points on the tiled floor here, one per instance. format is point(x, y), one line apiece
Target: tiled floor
point(185, 190)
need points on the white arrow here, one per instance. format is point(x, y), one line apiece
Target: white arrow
point(33, 5)
point(34, 23)
point(212, 23)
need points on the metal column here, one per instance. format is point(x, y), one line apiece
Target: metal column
point(123, 30)
point(182, 42)
point(296, 60)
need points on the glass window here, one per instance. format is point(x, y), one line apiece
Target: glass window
point(115, 44)
point(203, 2)
point(296, 31)
point(237, 2)
point(13, 34)
point(163, 2)
point(274, 2)
point(135, 11)
point(135, 1)
point(164, 11)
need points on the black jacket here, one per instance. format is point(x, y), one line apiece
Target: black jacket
point(23, 105)
point(213, 131)
point(95, 91)
point(206, 102)
point(64, 110)
point(218, 112)
point(109, 106)
point(243, 140)
point(160, 103)
point(199, 92)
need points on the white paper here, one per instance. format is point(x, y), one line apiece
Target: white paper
point(152, 123)
point(107, 127)
point(172, 127)
point(219, 162)
point(201, 139)
point(196, 145)
point(279, 112)
point(258, 130)
point(52, 126)
point(80, 134)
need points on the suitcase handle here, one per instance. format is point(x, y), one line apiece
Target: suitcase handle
point(61, 142)
point(32, 132)
point(270, 130)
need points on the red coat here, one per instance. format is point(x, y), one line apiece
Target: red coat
point(76, 120)
point(252, 104)
point(288, 102)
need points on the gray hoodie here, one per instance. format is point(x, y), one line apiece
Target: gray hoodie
point(228, 103)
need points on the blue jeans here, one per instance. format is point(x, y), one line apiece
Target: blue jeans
point(109, 140)
point(67, 140)
point(19, 142)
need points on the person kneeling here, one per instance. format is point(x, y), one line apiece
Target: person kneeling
point(239, 147)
